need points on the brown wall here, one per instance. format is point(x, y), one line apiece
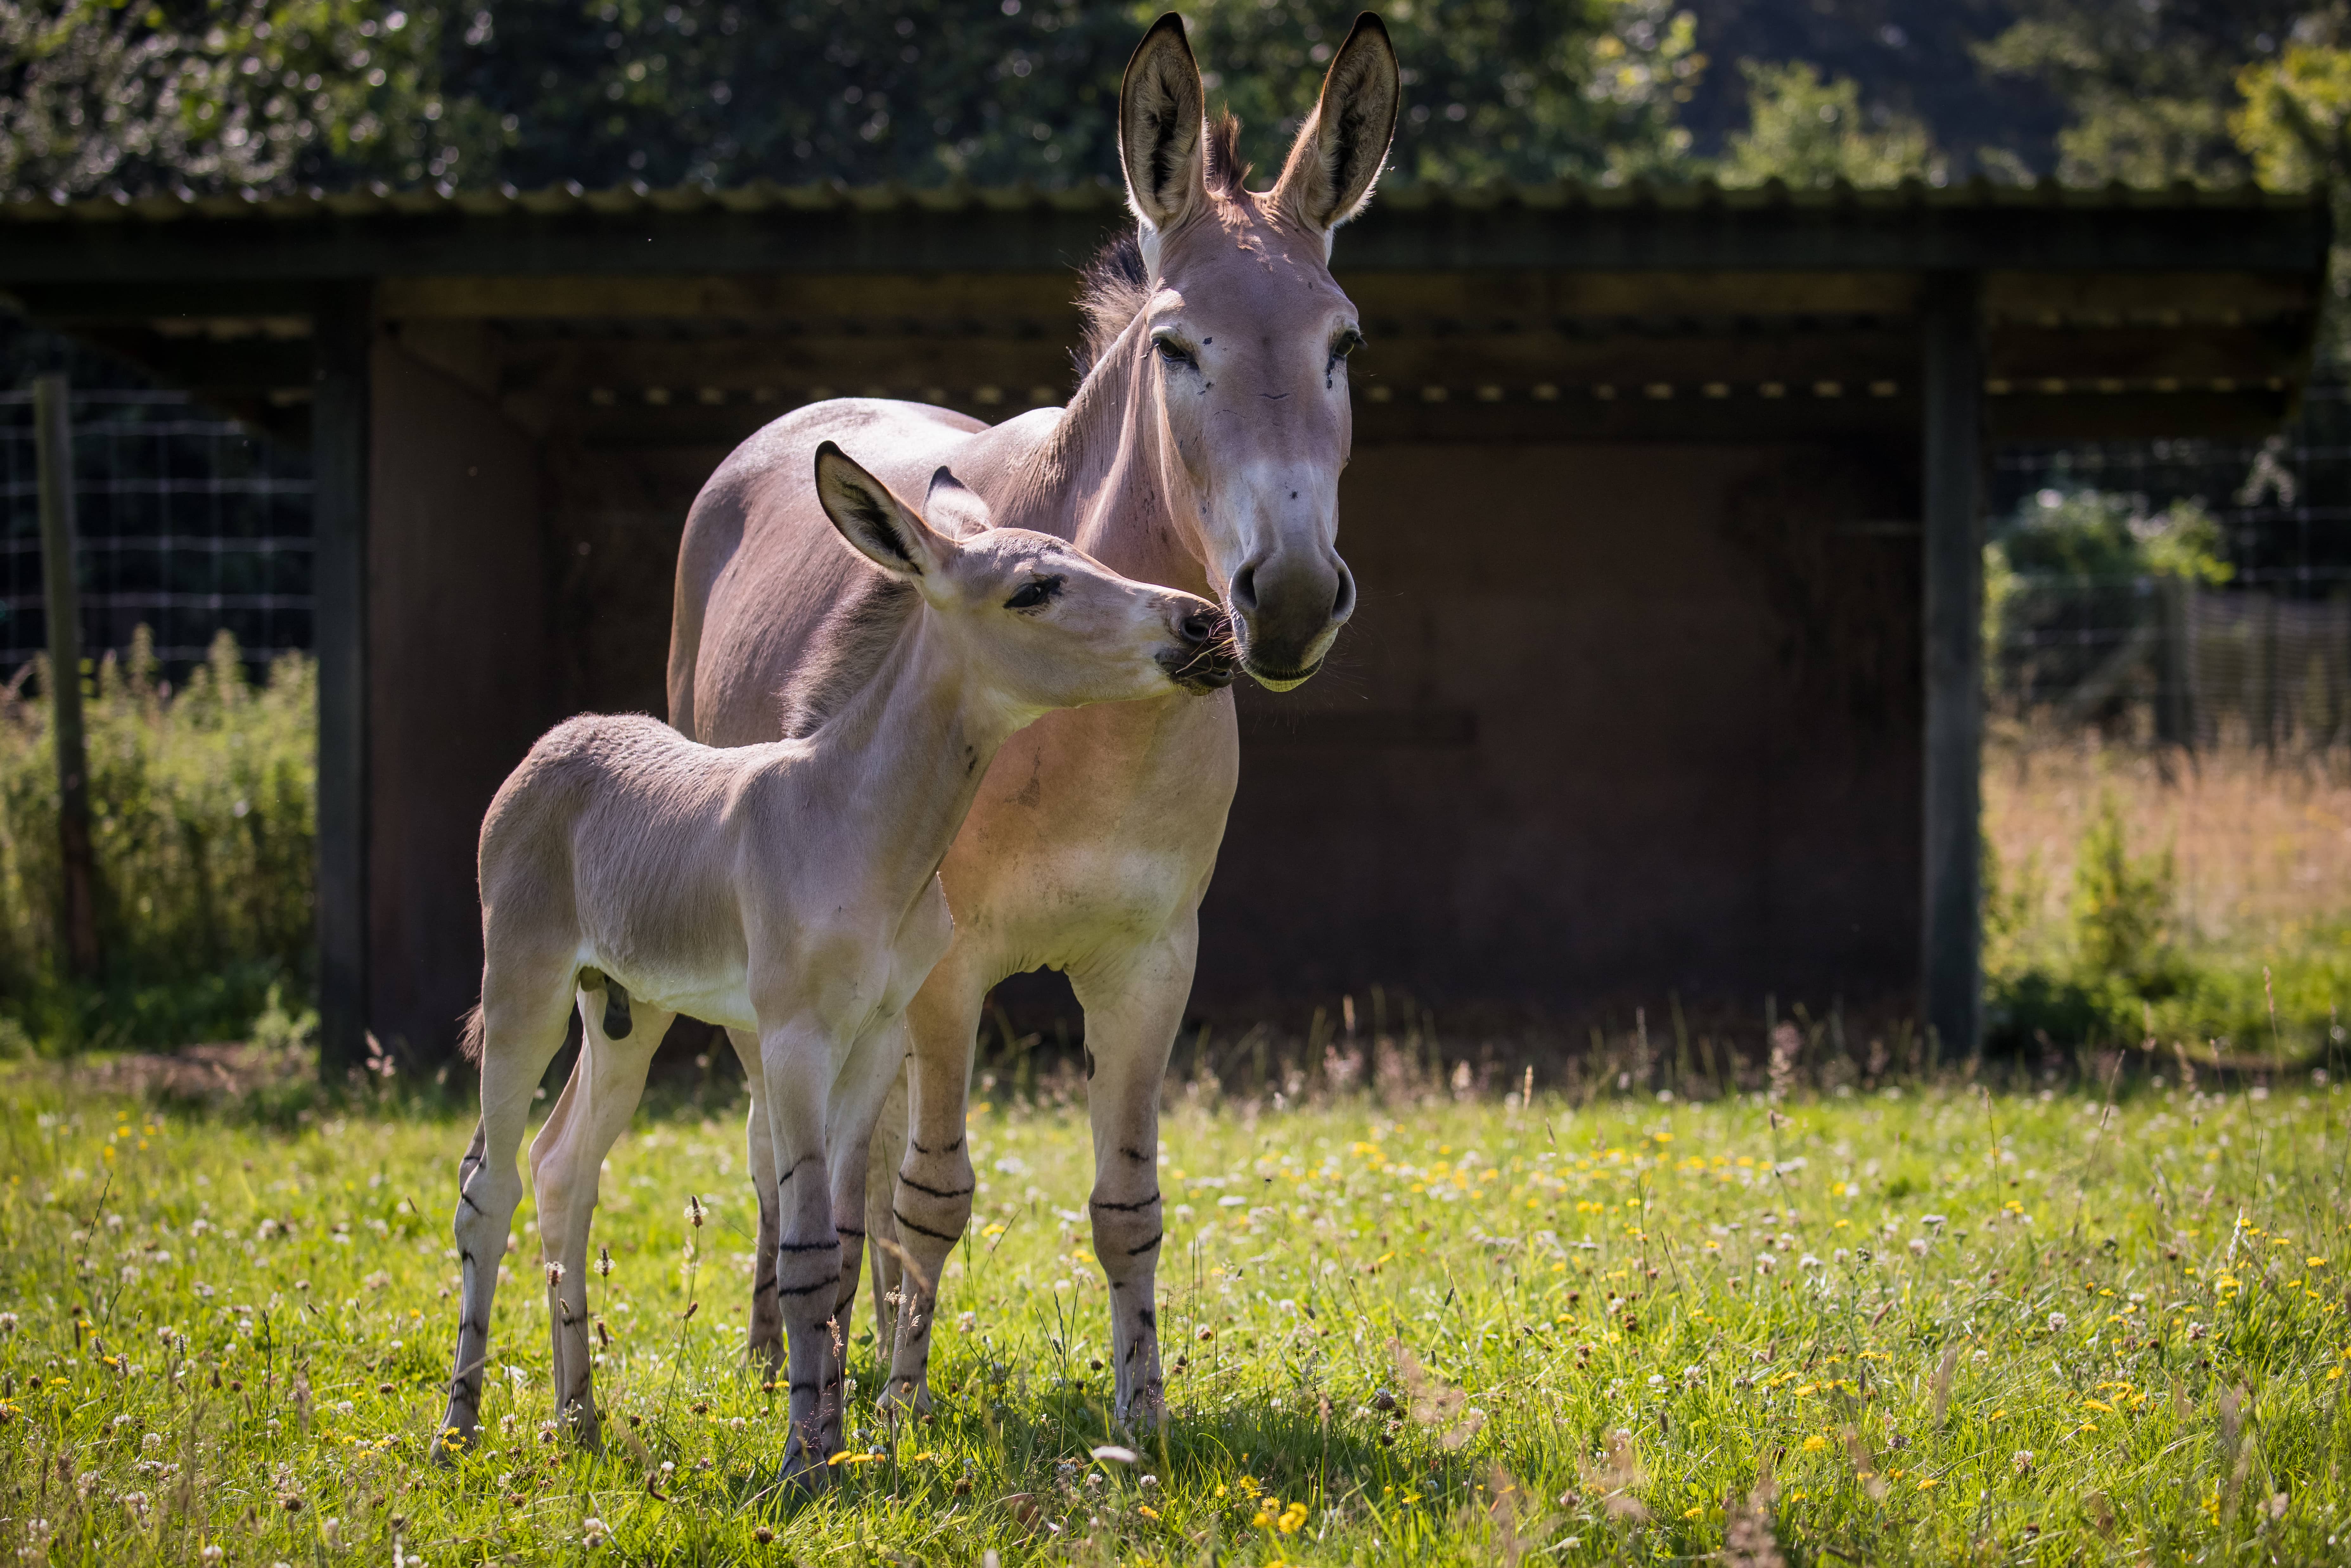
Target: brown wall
point(457, 653)
point(1611, 722)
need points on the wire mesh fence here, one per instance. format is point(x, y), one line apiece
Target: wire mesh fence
point(188, 524)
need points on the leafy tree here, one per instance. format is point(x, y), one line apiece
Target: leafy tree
point(2147, 83)
point(271, 94)
point(285, 94)
point(1811, 132)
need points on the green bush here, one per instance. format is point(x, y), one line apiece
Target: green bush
point(203, 824)
point(2122, 965)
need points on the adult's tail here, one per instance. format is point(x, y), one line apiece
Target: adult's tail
point(470, 1036)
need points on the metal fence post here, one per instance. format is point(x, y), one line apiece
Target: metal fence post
point(61, 601)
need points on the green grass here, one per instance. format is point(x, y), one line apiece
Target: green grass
point(1634, 1329)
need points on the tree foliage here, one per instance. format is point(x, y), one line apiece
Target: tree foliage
point(2148, 84)
point(1811, 132)
point(275, 95)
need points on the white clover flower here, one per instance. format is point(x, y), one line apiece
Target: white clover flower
point(966, 1321)
point(1765, 1263)
point(8, 1323)
point(1808, 1262)
point(1656, 1381)
point(1919, 1246)
point(1693, 1374)
point(2057, 1322)
point(151, 1442)
point(2021, 1461)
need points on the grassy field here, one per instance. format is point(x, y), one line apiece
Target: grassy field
point(1923, 1325)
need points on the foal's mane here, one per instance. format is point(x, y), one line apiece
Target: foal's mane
point(858, 633)
point(1113, 289)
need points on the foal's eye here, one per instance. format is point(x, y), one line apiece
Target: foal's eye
point(1173, 350)
point(1034, 594)
point(1345, 343)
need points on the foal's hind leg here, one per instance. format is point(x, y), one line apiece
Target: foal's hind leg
point(766, 1346)
point(566, 1161)
point(523, 1000)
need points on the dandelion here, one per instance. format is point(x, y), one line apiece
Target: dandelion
point(1816, 1443)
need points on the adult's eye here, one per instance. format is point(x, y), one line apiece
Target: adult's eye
point(1345, 343)
point(1173, 350)
point(1035, 593)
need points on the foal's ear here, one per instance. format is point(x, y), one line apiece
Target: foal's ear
point(1161, 107)
point(880, 527)
point(1341, 147)
point(952, 509)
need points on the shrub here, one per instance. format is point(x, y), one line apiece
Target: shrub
point(2122, 904)
point(202, 827)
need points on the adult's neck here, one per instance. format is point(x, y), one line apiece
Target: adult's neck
point(904, 758)
point(1108, 479)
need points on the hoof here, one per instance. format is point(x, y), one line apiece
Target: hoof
point(1144, 1412)
point(807, 1475)
point(905, 1396)
point(449, 1442)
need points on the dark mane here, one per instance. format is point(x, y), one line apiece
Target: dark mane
point(858, 633)
point(1113, 289)
point(1227, 175)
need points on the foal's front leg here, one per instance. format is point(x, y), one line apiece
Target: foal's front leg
point(795, 1063)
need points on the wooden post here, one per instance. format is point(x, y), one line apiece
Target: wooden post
point(2175, 694)
point(53, 440)
point(342, 333)
point(1950, 978)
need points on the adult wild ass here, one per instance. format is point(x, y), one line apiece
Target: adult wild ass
point(1203, 451)
point(787, 891)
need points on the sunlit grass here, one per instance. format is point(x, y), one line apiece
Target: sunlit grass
point(1930, 1325)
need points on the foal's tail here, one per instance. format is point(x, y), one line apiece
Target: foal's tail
point(473, 1032)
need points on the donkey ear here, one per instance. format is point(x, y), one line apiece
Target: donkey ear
point(1341, 147)
point(879, 526)
point(953, 509)
point(1161, 106)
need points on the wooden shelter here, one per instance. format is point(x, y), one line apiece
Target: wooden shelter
point(1665, 507)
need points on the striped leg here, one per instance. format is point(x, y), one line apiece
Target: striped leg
point(765, 1348)
point(1131, 1014)
point(566, 1159)
point(932, 1204)
point(524, 1004)
point(796, 1071)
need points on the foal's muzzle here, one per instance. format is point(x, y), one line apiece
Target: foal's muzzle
point(1203, 659)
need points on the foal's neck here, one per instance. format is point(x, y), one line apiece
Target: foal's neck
point(904, 759)
point(1108, 481)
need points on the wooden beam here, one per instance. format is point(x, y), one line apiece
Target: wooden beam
point(2156, 297)
point(1404, 232)
point(341, 435)
point(2185, 355)
point(61, 605)
point(995, 299)
point(2245, 414)
point(1952, 380)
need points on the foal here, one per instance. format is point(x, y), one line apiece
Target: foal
point(788, 892)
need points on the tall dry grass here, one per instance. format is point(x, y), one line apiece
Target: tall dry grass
point(2261, 843)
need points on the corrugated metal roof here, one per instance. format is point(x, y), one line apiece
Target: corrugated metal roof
point(1102, 195)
